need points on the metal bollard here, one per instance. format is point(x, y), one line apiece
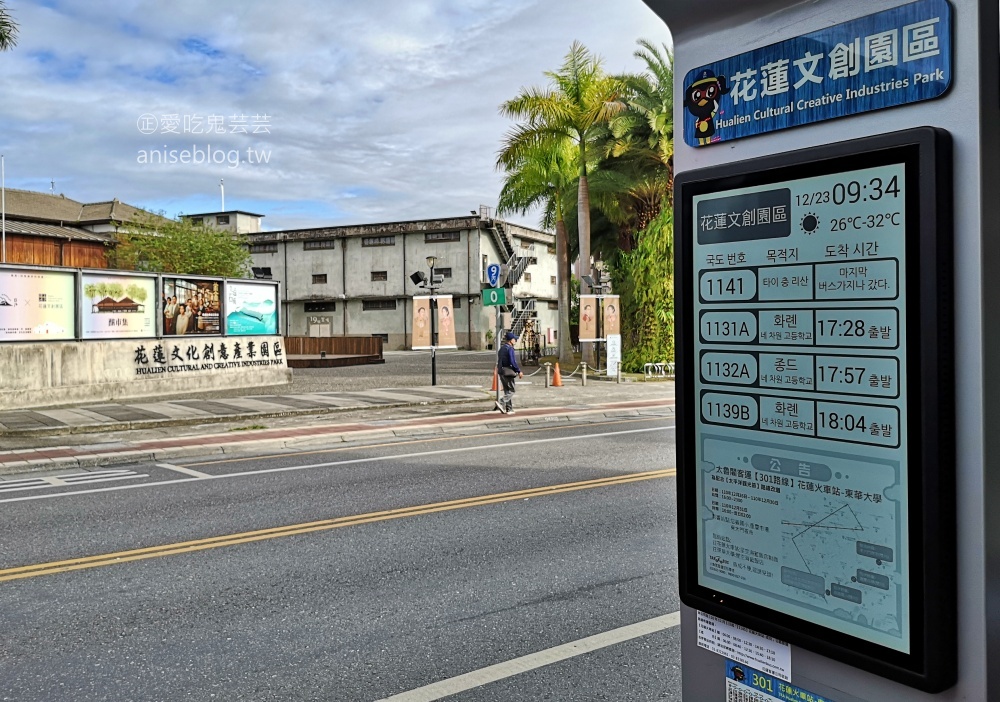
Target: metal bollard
point(584, 364)
point(548, 374)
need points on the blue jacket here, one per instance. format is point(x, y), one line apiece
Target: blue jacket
point(508, 358)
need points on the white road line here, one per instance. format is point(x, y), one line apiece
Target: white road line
point(331, 464)
point(490, 674)
point(55, 482)
point(182, 469)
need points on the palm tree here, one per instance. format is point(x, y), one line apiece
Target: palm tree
point(8, 29)
point(637, 173)
point(542, 176)
point(578, 106)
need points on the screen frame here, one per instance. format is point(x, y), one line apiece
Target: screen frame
point(931, 664)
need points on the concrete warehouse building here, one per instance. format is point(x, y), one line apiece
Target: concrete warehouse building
point(355, 280)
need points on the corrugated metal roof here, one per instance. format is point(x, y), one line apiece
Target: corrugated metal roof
point(52, 230)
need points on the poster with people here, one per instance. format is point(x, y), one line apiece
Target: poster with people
point(37, 305)
point(118, 306)
point(421, 322)
point(251, 308)
point(588, 318)
point(446, 322)
point(612, 315)
point(191, 306)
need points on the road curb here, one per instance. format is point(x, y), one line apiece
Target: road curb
point(438, 427)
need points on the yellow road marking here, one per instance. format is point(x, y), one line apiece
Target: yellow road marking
point(138, 554)
point(416, 441)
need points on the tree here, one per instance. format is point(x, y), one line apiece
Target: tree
point(644, 278)
point(579, 105)
point(8, 29)
point(165, 245)
point(635, 180)
point(541, 176)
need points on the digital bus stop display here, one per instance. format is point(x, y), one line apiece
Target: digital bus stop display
point(802, 391)
point(814, 445)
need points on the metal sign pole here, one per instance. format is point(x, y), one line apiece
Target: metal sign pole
point(499, 331)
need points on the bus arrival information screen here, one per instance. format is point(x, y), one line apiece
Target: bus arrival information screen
point(801, 397)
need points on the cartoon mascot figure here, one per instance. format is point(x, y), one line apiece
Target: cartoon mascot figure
point(702, 100)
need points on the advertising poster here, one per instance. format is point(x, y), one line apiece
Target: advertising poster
point(421, 322)
point(116, 306)
point(251, 309)
point(588, 318)
point(446, 322)
point(612, 315)
point(191, 306)
point(37, 305)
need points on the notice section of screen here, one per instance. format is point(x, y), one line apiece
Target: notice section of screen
point(801, 396)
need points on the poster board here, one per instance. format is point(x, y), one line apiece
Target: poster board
point(445, 322)
point(118, 306)
point(193, 306)
point(37, 305)
point(611, 308)
point(251, 308)
point(815, 443)
point(421, 322)
point(588, 318)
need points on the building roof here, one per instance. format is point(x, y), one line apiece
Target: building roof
point(443, 224)
point(46, 207)
point(14, 226)
point(226, 212)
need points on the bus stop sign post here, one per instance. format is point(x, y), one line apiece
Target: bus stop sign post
point(773, 451)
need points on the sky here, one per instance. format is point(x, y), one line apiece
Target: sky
point(313, 112)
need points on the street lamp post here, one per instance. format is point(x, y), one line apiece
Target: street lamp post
point(431, 261)
point(431, 284)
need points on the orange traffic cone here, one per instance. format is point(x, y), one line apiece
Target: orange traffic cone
point(556, 378)
point(494, 388)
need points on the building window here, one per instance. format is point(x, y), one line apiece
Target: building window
point(378, 240)
point(263, 248)
point(197, 221)
point(319, 278)
point(431, 237)
point(553, 305)
point(313, 245)
point(378, 276)
point(456, 302)
point(527, 277)
point(383, 337)
point(444, 272)
point(370, 305)
point(325, 306)
point(552, 279)
point(222, 219)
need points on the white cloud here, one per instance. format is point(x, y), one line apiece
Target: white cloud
point(378, 111)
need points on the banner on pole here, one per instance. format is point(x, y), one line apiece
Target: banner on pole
point(588, 318)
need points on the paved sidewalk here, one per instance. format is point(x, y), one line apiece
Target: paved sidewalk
point(162, 429)
point(299, 438)
point(105, 416)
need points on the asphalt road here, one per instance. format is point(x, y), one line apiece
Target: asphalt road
point(489, 566)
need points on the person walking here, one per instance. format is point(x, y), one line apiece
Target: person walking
point(509, 371)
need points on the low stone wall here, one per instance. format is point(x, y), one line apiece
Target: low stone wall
point(52, 373)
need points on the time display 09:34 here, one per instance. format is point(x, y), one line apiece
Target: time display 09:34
point(851, 192)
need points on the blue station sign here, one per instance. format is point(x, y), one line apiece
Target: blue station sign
point(883, 60)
